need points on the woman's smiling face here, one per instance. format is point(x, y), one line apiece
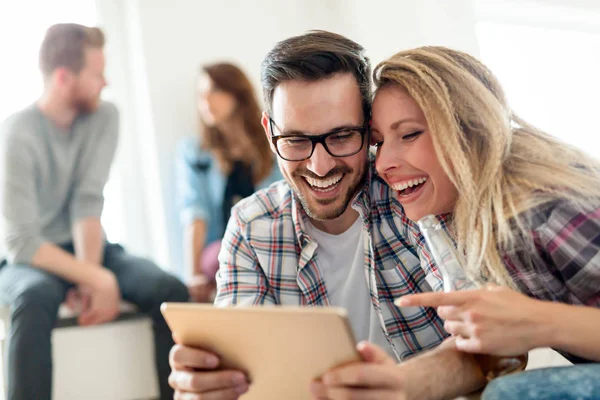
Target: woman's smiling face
point(406, 158)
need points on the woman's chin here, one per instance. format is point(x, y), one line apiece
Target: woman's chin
point(415, 213)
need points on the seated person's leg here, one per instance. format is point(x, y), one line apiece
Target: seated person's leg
point(33, 296)
point(146, 285)
point(573, 382)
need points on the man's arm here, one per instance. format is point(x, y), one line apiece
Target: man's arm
point(55, 260)
point(93, 168)
point(441, 373)
point(22, 231)
point(88, 240)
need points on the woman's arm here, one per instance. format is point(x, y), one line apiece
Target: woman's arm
point(194, 241)
point(573, 329)
point(502, 322)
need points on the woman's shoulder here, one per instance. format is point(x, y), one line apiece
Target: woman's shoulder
point(564, 214)
point(189, 149)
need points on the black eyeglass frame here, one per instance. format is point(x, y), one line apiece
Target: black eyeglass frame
point(363, 130)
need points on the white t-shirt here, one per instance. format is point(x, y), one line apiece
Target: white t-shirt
point(341, 260)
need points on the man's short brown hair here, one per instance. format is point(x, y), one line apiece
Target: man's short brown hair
point(64, 46)
point(314, 56)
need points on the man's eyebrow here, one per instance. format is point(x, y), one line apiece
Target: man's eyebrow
point(295, 132)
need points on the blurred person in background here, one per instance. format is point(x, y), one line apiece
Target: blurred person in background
point(227, 161)
point(56, 157)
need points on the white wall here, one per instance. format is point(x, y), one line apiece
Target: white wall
point(169, 39)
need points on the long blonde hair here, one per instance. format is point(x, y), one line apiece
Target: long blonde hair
point(500, 164)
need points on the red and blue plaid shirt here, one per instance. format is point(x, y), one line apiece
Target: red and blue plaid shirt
point(563, 264)
point(267, 258)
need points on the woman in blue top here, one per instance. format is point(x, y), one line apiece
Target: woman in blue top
point(228, 160)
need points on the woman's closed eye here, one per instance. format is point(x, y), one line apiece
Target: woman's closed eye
point(412, 136)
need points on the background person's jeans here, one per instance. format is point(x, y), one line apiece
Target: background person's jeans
point(35, 295)
point(581, 382)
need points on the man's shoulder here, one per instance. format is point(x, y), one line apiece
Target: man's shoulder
point(21, 126)
point(273, 204)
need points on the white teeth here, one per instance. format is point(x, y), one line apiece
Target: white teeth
point(320, 183)
point(413, 182)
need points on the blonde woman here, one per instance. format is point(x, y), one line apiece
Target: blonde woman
point(523, 206)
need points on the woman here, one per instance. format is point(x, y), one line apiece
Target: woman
point(228, 160)
point(523, 207)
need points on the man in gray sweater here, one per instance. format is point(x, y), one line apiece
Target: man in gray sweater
point(56, 156)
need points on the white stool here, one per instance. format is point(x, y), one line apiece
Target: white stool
point(109, 361)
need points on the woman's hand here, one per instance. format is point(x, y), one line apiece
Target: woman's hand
point(201, 289)
point(496, 320)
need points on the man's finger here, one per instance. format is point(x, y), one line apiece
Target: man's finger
point(88, 317)
point(342, 393)
point(362, 375)
point(206, 381)
point(223, 394)
point(318, 390)
point(373, 353)
point(436, 299)
point(182, 357)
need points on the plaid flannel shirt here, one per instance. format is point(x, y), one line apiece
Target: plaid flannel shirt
point(267, 258)
point(565, 265)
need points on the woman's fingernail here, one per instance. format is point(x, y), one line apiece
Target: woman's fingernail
point(402, 301)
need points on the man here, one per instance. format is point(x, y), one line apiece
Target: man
point(56, 160)
point(313, 239)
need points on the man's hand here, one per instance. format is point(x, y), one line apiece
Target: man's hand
point(377, 377)
point(104, 299)
point(194, 376)
point(496, 320)
point(78, 300)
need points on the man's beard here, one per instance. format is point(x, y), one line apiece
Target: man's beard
point(84, 104)
point(323, 213)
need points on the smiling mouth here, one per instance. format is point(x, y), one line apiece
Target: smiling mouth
point(324, 185)
point(407, 188)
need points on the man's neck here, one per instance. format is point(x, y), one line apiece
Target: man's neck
point(338, 225)
point(57, 110)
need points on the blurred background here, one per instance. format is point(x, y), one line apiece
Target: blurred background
point(545, 52)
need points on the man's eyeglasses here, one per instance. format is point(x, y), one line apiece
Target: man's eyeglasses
point(342, 142)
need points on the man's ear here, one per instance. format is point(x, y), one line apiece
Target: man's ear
point(264, 121)
point(62, 76)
